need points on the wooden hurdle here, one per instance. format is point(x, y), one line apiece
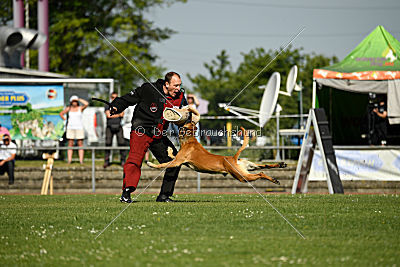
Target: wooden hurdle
point(48, 178)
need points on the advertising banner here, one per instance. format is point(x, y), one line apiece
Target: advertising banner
point(32, 111)
point(378, 165)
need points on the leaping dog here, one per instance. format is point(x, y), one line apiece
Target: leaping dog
point(196, 157)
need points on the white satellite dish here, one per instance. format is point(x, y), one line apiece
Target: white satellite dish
point(291, 79)
point(267, 107)
point(269, 99)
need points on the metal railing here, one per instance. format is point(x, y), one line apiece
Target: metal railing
point(93, 150)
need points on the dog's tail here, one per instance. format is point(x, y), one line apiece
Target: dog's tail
point(245, 143)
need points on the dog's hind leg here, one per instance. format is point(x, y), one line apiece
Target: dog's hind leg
point(264, 176)
point(255, 176)
point(239, 172)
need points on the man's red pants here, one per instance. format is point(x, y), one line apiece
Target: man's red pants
point(139, 144)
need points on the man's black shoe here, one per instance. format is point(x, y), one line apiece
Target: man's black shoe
point(125, 198)
point(126, 195)
point(164, 198)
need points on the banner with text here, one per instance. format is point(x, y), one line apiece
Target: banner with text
point(381, 165)
point(32, 111)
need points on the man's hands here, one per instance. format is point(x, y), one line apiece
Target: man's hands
point(112, 113)
point(382, 115)
point(113, 110)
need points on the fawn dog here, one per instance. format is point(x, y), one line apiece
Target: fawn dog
point(196, 157)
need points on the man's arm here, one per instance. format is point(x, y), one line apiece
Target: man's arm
point(8, 159)
point(382, 115)
point(132, 98)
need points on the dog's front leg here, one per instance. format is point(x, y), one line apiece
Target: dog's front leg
point(170, 164)
point(170, 152)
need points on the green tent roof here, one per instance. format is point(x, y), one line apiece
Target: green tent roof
point(377, 52)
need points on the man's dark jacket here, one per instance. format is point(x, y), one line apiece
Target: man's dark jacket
point(150, 101)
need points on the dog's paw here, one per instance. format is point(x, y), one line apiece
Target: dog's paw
point(151, 164)
point(282, 165)
point(275, 181)
point(170, 152)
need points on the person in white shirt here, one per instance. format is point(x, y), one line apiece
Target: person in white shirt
point(74, 125)
point(7, 158)
point(193, 102)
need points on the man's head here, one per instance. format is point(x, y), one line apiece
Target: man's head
point(6, 139)
point(113, 95)
point(172, 83)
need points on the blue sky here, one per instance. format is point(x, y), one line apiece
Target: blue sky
point(205, 27)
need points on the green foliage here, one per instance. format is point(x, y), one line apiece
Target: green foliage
point(200, 230)
point(6, 11)
point(216, 88)
point(78, 50)
point(223, 84)
point(29, 115)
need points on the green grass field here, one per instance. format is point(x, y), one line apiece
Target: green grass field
point(200, 230)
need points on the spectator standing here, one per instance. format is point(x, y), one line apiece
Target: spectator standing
point(380, 124)
point(114, 127)
point(75, 125)
point(193, 102)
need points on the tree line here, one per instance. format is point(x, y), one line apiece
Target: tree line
point(76, 49)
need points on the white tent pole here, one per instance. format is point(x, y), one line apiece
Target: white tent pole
point(277, 157)
point(314, 93)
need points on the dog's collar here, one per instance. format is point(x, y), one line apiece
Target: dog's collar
point(188, 128)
